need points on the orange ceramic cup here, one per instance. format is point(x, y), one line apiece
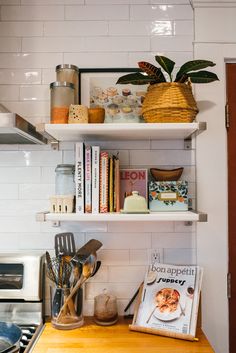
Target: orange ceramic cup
point(96, 115)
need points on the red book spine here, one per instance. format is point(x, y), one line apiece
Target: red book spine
point(104, 182)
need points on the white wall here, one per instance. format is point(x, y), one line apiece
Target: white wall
point(214, 39)
point(37, 35)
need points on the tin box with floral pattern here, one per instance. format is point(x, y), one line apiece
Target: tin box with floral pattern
point(168, 196)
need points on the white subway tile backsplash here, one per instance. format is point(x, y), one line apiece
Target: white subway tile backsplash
point(167, 144)
point(102, 274)
point(41, 192)
point(174, 43)
point(34, 147)
point(32, 13)
point(140, 227)
point(51, 2)
point(126, 274)
point(99, 60)
point(122, 240)
point(10, 2)
point(21, 29)
point(99, 12)
point(18, 76)
point(34, 93)
point(69, 157)
point(75, 29)
point(140, 28)
point(35, 241)
point(162, 157)
point(138, 257)
point(183, 28)
point(37, 35)
point(19, 174)
point(48, 175)
point(19, 224)
point(173, 240)
point(9, 93)
point(30, 108)
point(48, 76)
point(8, 191)
point(53, 44)
point(180, 256)
point(119, 44)
point(122, 145)
point(29, 158)
point(21, 207)
point(114, 257)
point(160, 12)
point(30, 60)
point(178, 57)
point(67, 146)
point(10, 44)
point(115, 2)
point(164, 2)
point(12, 245)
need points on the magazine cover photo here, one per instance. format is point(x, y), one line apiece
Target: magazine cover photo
point(169, 298)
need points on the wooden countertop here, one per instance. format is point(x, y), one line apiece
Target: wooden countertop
point(114, 339)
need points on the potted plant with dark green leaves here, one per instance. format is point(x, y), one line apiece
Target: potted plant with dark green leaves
point(171, 99)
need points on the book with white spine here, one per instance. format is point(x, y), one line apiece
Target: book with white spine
point(88, 179)
point(79, 177)
point(95, 178)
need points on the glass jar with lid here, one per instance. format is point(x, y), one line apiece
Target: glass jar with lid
point(69, 73)
point(65, 181)
point(62, 96)
point(105, 309)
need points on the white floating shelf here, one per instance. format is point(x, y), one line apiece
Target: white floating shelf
point(188, 216)
point(142, 131)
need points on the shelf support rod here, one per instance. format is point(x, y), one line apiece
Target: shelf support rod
point(54, 143)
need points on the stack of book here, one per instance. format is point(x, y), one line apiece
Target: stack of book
point(97, 180)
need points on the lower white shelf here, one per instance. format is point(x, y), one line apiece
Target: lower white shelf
point(186, 216)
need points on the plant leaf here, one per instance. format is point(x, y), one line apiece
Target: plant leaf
point(183, 78)
point(136, 78)
point(152, 71)
point(202, 77)
point(193, 65)
point(166, 64)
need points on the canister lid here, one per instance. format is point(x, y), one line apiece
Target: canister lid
point(62, 84)
point(67, 66)
point(65, 167)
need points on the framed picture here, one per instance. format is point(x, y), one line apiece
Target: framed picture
point(122, 102)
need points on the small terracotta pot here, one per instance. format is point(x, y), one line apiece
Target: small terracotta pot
point(96, 115)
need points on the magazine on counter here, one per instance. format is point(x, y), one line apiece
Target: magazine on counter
point(170, 299)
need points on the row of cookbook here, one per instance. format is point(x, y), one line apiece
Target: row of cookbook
point(101, 185)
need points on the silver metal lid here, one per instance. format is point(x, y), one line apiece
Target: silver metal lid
point(67, 66)
point(65, 167)
point(62, 84)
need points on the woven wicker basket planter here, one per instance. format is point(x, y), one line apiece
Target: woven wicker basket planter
point(169, 102)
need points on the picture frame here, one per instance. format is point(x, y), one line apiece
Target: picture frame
point(122, 102)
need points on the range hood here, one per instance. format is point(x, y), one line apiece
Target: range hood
point(16, 130)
